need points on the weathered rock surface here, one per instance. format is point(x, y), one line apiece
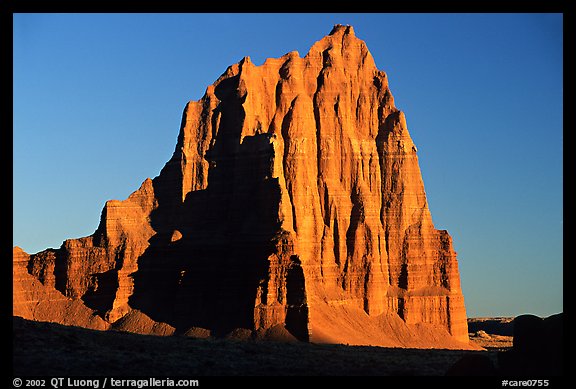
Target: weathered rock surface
point(34, 300)
point(197, 333)
point(139, 323)
point(294, 198)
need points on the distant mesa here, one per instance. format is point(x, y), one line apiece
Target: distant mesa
point(292, 208)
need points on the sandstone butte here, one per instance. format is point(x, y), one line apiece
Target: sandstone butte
point(293, 207)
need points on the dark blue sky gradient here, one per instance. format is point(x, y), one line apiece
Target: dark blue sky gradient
point(98, 101)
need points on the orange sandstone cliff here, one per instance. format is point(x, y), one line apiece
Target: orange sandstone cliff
point(293, 206)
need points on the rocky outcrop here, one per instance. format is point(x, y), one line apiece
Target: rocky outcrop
point(35, 300)
point(97, 269)
point(294, 198)
point(139, 323)
point(538, 348)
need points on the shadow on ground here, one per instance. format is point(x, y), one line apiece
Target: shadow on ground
point(56, 350)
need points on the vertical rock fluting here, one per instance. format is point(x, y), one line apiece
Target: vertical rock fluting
point(37, 299)
point(97, 269)
point(293, 200)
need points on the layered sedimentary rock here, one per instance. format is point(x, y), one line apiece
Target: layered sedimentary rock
point(293, 200)
point(33, 299)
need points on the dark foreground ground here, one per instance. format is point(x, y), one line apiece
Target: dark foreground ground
point(56, 350)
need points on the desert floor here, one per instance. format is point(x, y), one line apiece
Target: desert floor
point(55, 350)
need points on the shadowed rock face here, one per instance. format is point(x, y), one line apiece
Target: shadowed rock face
point(293, 198)
point(538, 348)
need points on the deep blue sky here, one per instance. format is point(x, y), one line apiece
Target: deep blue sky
point(98, 101)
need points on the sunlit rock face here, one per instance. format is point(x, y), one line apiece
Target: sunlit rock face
point(293, 204)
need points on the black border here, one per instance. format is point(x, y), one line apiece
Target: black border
point(9, 7)
point(182, 6)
